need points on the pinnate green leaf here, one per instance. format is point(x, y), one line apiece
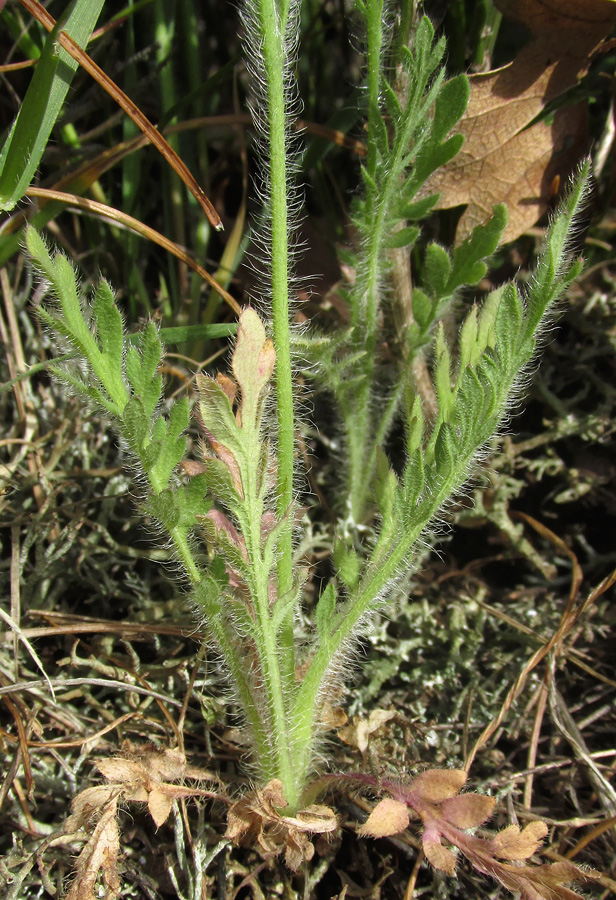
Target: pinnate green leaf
point(109, 324)
point(431, 157)
point(450, 106)
point(380, 135)
point(422, 308)
point(325, 610)
point(469, 265)
point(347, 563)
point(419, 209)
point(437, 269)
point(405, 237)
point(385, 486)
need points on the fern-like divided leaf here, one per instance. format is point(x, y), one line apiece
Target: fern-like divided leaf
point(124, 380)
point(74, 322)
point(495, 346)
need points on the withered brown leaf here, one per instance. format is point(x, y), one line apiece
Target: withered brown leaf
point(159, 805)
point(99, 855)
point(358, 734)
point(503, 160)
point(257, 819)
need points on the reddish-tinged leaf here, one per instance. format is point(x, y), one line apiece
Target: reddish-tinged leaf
point(159, 804)
point(440, 857)
point(468, 810)
point(388, 817)
point(511, 843)
point(437, 785)
point(253, 359)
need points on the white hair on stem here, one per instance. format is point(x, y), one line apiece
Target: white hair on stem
point(252, 39)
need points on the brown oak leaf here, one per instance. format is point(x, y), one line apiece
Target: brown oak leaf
point(503, 160)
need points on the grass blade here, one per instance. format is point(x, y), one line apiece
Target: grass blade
point(24, 147)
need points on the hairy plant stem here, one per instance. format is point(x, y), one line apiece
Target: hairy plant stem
point(359, 417)
point(364, 313)
point(229, 652)
point(267, 640)
point(273, 20)
point(365, 600)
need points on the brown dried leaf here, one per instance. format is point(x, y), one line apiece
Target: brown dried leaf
point(437, 785)
point(552, 878)
point(272, 797)
point(121, 771)
point(546, 882)
point(298, 849)
point(256, 818)
point(167, 764)
point(511, 843)
point(87, 804)
point(468, 810)
point(192, 467)
point(358, 734)
point(440, 857)
point(159, 804)
point(100, 854)
point(333, 716)
point(315, 819)
point(244, 824)
point(500, 160)
point(228, 385)
point(136, 792)
point(388, 817)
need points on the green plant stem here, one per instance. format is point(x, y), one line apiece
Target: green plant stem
point(359, 417)
point(234, 663)
point(274, 63)
point(265, 633)
point(365, 600)
point(364, 312)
